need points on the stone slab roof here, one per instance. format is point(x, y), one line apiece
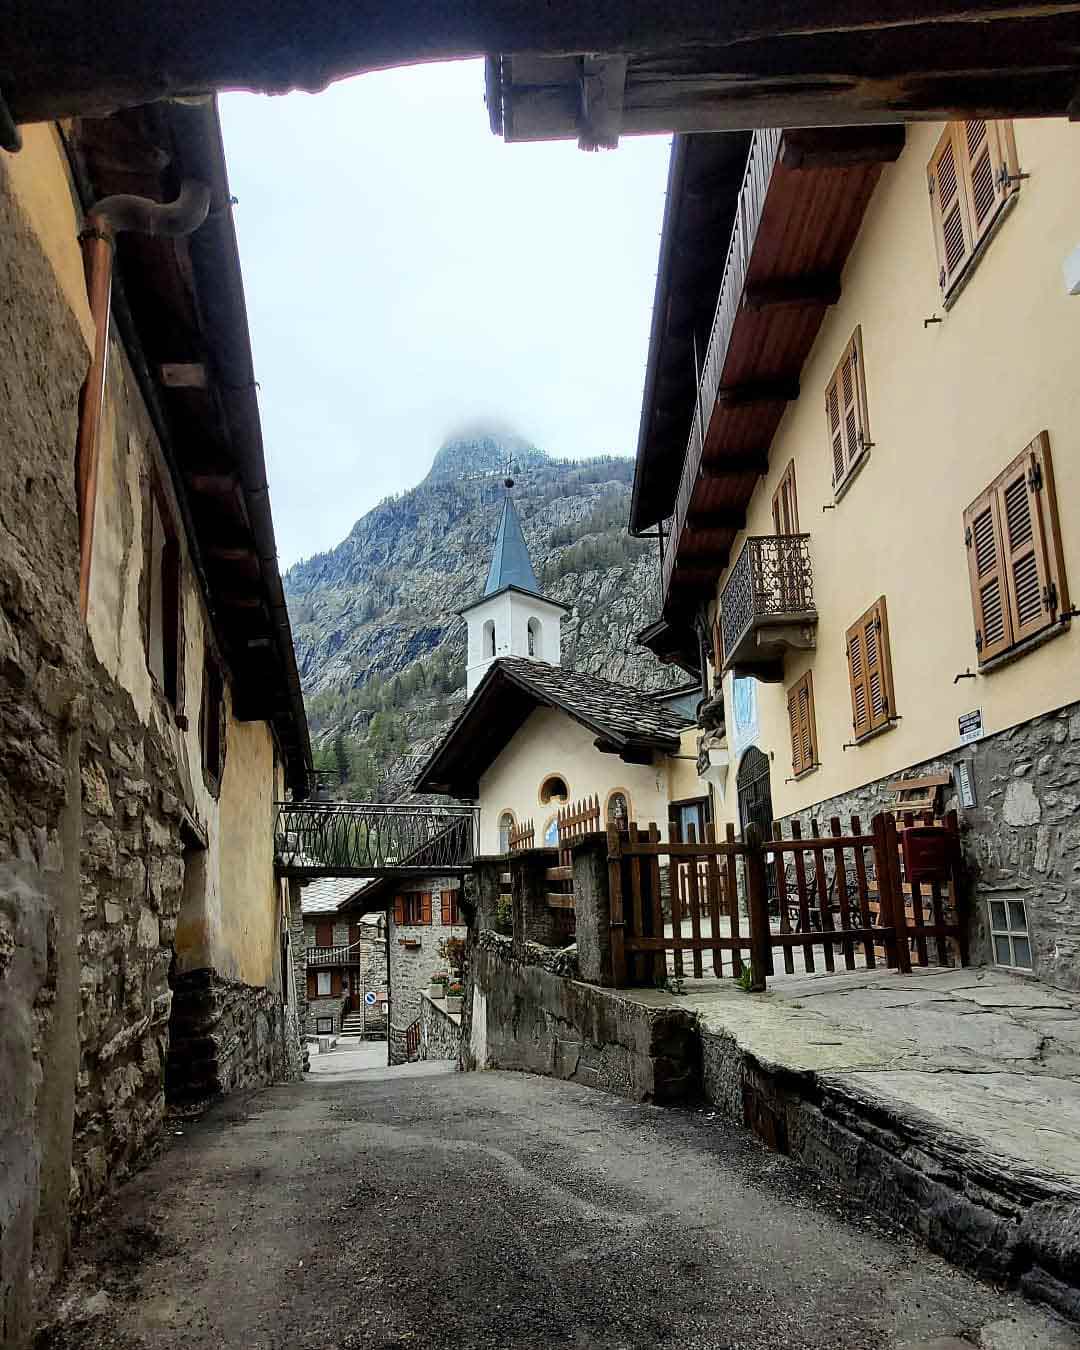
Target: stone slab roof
point(328, 894)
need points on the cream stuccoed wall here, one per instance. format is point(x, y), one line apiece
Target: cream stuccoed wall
point(550, 742)
point(232, 907)
point(683, 781)
point(950, 405)
point(510, 612)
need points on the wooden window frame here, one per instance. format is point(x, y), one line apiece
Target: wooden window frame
point(171, 683)
point(869, 655)
point(785, 490)
point(412, 909)
point(320, 975)
point(973, 176)
point(1008, 579)
point(802, 724)
point(450, 911)
point(847, 416)
point(323, 926)
point(212, 723)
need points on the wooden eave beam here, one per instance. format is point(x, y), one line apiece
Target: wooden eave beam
point(758, 391)
point(841, 147)
point(745, 461)
point(807, 292)
point(718, 518)
point(213, 484)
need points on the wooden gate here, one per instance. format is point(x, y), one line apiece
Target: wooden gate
point(573, 822)
point(838, 894)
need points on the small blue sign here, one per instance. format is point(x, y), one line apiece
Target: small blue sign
point(369, 999)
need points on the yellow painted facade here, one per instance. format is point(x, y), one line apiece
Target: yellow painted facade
point(549, 743)
point(950, 405)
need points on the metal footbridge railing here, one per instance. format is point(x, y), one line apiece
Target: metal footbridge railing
point(370, 839)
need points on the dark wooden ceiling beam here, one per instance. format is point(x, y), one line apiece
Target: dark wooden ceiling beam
point(806, 292)
point(833, 61)
point(841, 147)
point(759, 391)
point(213, 484)
point(718, 518)
point(739, 461)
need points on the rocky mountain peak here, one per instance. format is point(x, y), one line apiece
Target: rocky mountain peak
point(482, 449)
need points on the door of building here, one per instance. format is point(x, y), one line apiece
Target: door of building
point(755, 792)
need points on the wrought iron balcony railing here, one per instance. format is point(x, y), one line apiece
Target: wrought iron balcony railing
point(370, 839)
point(767, 604)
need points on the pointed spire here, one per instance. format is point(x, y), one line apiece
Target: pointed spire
point(510, 562)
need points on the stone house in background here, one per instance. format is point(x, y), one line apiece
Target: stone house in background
point(874, 490)
point(150, 710)
point(344, 961)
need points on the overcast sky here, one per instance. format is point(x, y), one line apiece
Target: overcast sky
point(407, 272)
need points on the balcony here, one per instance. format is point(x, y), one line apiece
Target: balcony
point(334, 956)
point(802, 201)
point(767, 605)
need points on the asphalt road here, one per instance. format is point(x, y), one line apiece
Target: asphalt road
point(424, 1208)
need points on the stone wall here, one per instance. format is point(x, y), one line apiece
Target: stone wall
point(45, 358)
point(414, 958)
point(1021, 839)
point(318, 1009)
point(298, 956)
point(519, 1014)
point(440, 1031)
point(224, 1035)
point(132, 875)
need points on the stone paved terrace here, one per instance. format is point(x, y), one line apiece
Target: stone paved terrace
point(992, 1054)
point(968, 1078)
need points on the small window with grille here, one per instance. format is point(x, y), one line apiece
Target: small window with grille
point(1009, 933)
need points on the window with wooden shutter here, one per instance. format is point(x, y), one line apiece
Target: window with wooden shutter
point(803, 725)
point(425, 907)
point(785, 507)
point(971, 175)
point(399, 909)
point(311, 985)
point(324, 935)
point(1015, 562)
point(846, 413)
point(870, 671)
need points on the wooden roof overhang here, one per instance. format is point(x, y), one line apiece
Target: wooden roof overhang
point(179, 306)
point(802, 202)
point(496, 711)
point(704, 177)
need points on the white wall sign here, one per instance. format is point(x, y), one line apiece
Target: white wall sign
point(971, 726)
point(965, 784)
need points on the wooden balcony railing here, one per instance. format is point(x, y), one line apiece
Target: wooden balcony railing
point(752, 194)
point(767, 603)
point(334, 956)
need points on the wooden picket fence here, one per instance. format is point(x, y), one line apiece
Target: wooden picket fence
point(522, 836)
point(574, 821)
point(832, 895)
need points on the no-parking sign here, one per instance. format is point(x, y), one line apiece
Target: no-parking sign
point(369, 999)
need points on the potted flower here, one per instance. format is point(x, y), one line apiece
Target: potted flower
point(439, 981)
point(454, 994)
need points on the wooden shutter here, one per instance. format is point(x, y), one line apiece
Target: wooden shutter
point(846, 412)
point(335, 983)
point(989, 168)
point(425, 907)
point(447, 920)
point(802, 724)
point(312, 985)
point(971, 174)
point(986, 570)
point(1015, 560)
point(324, 935)
point(870, 670)
point(399, 910)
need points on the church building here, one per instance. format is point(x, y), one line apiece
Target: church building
point(534, 737)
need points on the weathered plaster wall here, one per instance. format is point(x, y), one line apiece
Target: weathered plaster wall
point(45, 353)
point(551, 743)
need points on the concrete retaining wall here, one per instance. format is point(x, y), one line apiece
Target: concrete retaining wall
point(521, 1014)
